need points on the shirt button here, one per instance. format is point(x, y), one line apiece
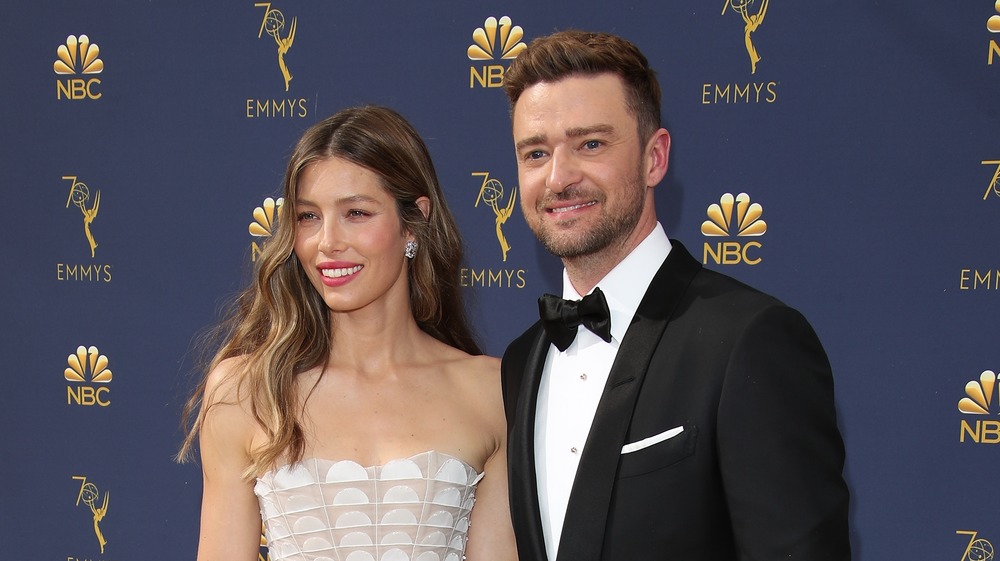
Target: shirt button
point(573, 450)
point(583, 377)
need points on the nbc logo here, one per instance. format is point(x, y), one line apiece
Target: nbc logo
point(979, 400)
point(88, 365)
point(993, 25)
point(733, 216)
point(495, 38)
point(78, 56)
point(265, 220)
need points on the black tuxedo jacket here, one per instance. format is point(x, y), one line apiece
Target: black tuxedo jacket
point(756, 472)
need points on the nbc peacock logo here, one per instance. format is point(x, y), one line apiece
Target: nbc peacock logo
point(265, 220)
point(993, 26)
point(78, 56)
point(495, 39)
point(89, 376)
point(979, 401)
point(733, 216)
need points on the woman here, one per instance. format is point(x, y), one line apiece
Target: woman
point(349, 406)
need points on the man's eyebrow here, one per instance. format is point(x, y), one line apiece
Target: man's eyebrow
point(530, 141)
point(575, 132)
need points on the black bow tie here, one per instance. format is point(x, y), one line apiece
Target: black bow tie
point(560, 318)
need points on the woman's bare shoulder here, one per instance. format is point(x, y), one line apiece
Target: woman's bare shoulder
point(480, 375)
point(228, 424)
point(225, 383)
point(484, 365)
point(460, 363)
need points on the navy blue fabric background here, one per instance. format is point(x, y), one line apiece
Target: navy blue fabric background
point(865, 150)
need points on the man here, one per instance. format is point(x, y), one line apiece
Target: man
point(700, 425)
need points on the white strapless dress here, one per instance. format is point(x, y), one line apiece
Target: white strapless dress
point(411, 509)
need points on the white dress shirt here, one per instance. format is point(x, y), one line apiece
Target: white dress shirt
point(573, 382)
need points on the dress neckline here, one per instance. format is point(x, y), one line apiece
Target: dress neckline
point(375, 467)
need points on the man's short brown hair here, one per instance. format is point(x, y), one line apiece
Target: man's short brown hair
point(568, 53)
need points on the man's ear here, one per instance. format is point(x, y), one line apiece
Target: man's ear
point(657, 157)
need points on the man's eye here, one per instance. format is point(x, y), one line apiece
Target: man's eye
point(592, 144)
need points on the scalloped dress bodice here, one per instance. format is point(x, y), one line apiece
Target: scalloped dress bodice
point(410, 509)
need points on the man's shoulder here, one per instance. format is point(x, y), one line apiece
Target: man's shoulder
point(521, 345)
point(716, 288)
point(713, 277)
point(513, 364)
point(709, 287)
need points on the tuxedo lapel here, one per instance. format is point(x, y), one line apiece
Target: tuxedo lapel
point(521, 452)
point(590, 500)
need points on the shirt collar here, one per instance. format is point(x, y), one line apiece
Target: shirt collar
point(626, 284)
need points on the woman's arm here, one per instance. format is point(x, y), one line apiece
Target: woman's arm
point(491, 536)
point(230, 516)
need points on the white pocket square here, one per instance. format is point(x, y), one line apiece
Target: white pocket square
point(655, 439)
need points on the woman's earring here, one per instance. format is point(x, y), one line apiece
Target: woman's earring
point(411, 249)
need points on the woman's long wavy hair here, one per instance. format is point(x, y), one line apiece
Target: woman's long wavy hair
point(280, 325)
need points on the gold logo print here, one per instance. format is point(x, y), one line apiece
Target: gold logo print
point(994, 185)
point(262, 553)
point(979, 394)
point(993, 24)
point(87, 361)
point(79, 195)
point(89, 494)
point(273, 23)
point(491, 192)
point(979, 549)
point(78, 55)
point(747, 223)
point(484, 40)
point(750, 24)
point(265, 217)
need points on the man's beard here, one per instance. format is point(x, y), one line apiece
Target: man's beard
point(614, 224)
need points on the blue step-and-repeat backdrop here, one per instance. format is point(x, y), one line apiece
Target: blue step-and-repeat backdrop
point(143, 145)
